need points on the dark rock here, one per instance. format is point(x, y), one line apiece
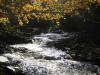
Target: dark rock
point(6, 71)
point(5, 49)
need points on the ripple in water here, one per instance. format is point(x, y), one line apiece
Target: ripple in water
point(38, 59)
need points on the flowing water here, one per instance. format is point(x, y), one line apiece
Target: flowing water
point(37, 58)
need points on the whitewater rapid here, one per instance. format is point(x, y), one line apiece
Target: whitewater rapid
point(37, 58)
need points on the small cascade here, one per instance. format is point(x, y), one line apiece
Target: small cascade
point(37, 58)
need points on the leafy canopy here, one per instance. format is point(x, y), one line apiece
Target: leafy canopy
point(22, 11)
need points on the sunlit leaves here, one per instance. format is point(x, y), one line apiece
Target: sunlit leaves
point(20, 22)
point(49, 10)
point(4, 20)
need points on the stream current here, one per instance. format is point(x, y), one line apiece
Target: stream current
point(38, 58)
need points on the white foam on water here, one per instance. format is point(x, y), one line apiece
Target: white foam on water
point(31, 66)
point(51, 52)
point(28, 46)
point(3, 59)
point(42, 39)
point(53, 36)
point(11, 68)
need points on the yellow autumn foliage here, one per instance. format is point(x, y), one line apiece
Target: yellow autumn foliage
point(4, 20)
point(52, 10)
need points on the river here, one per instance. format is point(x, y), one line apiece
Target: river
point(40, 58)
